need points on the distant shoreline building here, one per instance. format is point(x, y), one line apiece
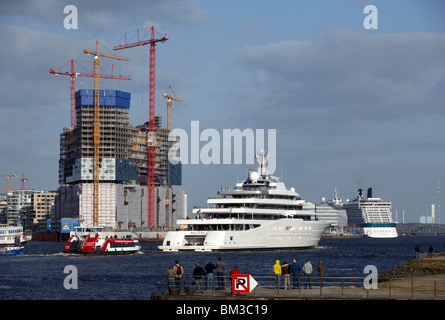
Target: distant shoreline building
point(429, 218)
point(16, 203)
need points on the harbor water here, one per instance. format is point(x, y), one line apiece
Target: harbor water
point(38, 274)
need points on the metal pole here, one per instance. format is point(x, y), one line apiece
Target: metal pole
point(299, 284)
point(389, 288)
point(342, 294)
point(434, 289)
point(277, 283)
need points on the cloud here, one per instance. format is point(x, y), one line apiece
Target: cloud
point(347, 76)
point(350, 108)
point(26, 57)
point(101, 17)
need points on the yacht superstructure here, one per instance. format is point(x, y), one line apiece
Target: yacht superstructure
point(258, 213)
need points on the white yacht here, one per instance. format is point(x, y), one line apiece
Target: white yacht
point(370, 216)
point(259, 213)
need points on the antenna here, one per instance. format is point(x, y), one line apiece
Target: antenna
point(438, 202)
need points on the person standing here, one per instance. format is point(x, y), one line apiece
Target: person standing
point(170, 274)
point(233, 272)
point(198, 273)
point(430, 251)
point(417, 250)
point(276, 269)
point(179, 271)
point(295, 273)
point(209, 268)
point(220, 273)
point(285, 272)
point(307, 269)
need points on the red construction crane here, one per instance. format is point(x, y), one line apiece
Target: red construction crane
point(23, 181)
point(151, 138)
point(73, 76)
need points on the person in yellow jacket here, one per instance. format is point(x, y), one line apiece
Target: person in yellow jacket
point(277, 272)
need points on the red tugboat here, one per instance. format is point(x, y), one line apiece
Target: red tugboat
point(93, 241)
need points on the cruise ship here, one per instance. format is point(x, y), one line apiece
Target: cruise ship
point(370, 216)
point(258, 213)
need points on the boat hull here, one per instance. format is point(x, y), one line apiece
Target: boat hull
point(11, 250)
point(96, 244)
point(105, 253)
point(380, 230)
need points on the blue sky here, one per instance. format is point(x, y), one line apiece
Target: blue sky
point(352, 107)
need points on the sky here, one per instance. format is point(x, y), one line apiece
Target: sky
point(352, 107)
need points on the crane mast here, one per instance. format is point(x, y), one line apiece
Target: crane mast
point(151, 138)
point(96, 127)
point(169, 98)
point(9, 177)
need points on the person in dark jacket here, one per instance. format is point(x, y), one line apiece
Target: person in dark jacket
point(430, 251)
point(295, 274)
point(210, 269)
point(198, 273)
point(417, 250)
point(285, 272)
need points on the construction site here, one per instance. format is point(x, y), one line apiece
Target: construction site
point(123, 191)
point(111, 173)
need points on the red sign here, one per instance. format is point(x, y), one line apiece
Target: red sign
point(243, 283)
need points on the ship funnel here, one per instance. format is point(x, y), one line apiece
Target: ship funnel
point(369, 192)
point(360, 193)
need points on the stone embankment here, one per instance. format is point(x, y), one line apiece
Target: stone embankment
point(417, 268)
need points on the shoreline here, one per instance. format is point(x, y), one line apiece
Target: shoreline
point(418, 267)
point(417, 279)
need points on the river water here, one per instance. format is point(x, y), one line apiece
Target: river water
point(38, 274)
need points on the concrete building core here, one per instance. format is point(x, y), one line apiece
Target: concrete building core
point(123, 170)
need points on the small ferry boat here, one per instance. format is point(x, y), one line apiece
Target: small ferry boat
point(12, 235)
point(12, 239)
point(95, 241)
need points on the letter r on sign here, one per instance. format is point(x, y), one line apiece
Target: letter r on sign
point(243, 283)
point(240, 283)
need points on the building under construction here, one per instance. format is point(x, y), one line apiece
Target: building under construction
point(123, 173)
